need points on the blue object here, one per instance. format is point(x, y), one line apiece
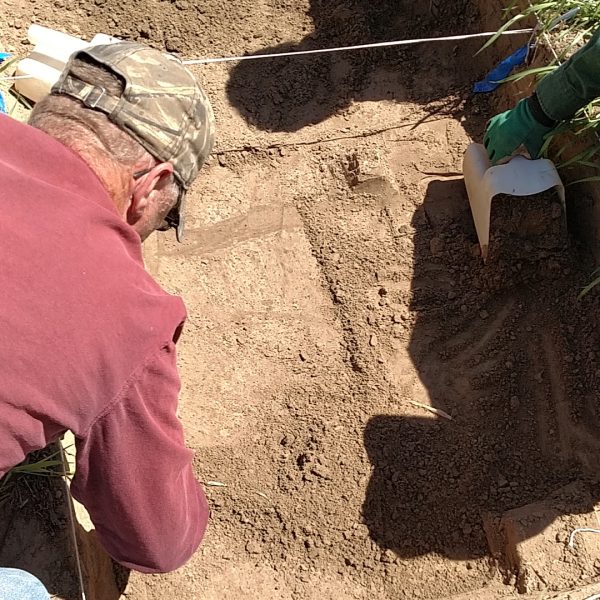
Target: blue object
point(3, 57)
point(494, 78)
point(20, 585)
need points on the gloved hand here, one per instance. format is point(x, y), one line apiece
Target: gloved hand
point(513, 128)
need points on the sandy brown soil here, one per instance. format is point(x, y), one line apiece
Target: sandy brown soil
point(332, 278)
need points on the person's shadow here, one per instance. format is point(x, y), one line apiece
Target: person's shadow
point(505, 351)
point(286, 94)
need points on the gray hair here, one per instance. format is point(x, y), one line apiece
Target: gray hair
point(88, 131)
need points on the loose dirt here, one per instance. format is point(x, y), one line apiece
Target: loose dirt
point(333, 279)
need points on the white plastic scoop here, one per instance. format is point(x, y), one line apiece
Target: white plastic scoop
point(519, 177)
point(42, 68)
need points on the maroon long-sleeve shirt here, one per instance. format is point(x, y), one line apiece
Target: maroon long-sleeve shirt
point(87, 343)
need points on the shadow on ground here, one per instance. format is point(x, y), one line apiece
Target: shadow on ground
point(286, 94)
point(506, 350)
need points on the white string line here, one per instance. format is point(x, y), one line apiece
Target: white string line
point(580, 530)
point(451, 38)
point(14, 77)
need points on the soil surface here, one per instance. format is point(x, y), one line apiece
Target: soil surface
point(334, 287)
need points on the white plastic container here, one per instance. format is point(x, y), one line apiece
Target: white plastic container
point(43, 66)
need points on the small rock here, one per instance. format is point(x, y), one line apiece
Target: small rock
point(287, 440)
point(502, 481)
point(373, 341)
point(561, 537)
point(397, 318)
point(173, 44)
point(387, 556)
point(451, 295)
point(253, 547)
point(515, 403)
point(383, 291)
point(475, 250)
point(484, 314)
point(369, 564)
point(320, 471)
point(463, 308)
point(397, 331)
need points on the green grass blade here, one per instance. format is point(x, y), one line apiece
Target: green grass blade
point(500, 31)
point(528, 73)
point(593, 179)
point(588, 288)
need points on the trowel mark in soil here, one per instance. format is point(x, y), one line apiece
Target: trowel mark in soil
point(567, 426)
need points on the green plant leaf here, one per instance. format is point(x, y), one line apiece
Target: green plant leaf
point(500, 31)
point(588, 288)
point(528, 73)
point(585, 180)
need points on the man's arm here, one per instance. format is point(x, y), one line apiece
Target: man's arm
point(134, 474)
point(574, 84)
point(557, 98)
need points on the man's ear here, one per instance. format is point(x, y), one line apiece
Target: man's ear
point(143, 188)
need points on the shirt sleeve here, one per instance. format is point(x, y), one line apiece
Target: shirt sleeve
point(574, 84)
point(134, 474)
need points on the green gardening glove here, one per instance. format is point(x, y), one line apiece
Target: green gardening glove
point(513, 128)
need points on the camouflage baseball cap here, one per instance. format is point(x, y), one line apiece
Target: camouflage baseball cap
point(162, 107)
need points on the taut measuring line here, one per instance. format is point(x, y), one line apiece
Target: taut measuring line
point(451, 38)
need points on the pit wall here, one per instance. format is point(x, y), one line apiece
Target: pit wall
point(583, 200)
